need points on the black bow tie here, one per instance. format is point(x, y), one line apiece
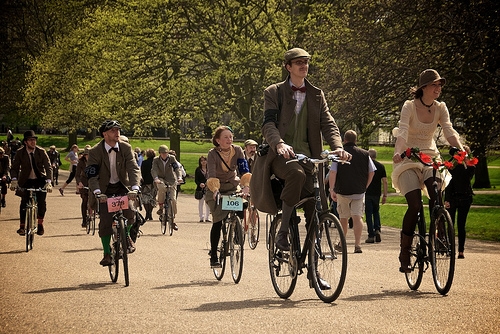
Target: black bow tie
point(113, 149)
point(302, 89)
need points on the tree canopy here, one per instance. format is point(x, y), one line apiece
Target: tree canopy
point(186, 66)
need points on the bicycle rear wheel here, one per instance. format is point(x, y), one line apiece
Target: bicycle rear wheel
point(236, 241)
point(114, 268)
point(253, 220)
point(124, 247)
point(30, 227)
point(282, 265)
point(417, 254)
point(163, 220)
point(169, 211)
point(442, 250)
point(88, 221)
point(328, 263)
point(222, 251)
point(94, 215)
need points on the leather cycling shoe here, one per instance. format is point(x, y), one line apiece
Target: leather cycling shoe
point(214, 263)
point(174, 226)
point(106, 260)
point(282, 241)
point(323, 284)
point(21, 231)
point(39, 229)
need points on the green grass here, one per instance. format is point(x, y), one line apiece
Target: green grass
point(482, 223)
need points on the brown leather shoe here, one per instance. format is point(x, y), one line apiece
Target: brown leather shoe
point(131, 245)
point(106, 260)
point(39, 229)
point(21, 231)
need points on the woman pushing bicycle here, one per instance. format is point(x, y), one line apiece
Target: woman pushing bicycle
point(225, 163)
point(418, 122)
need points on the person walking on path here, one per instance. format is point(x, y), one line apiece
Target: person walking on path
point(4, 175)
point(200, 178)
point(72, 157)
point(348, 184)
point(148, 193)
point(458, 198)
point(418, 122)
point(113, 171)
point(296, 119)
point(372, 199)
point(31, 169)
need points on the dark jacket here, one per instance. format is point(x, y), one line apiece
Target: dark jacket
point(352, 178)
point(459, 186)
point(199, 177)
point(21, 166)
point(126, 167)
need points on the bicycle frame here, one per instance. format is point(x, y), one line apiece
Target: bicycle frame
point(434, 247)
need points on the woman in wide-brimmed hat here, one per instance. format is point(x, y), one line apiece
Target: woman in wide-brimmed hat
point(419, 119)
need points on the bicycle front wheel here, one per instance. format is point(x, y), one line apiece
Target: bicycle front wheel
point(222, 251)
point(114, 268)
point(124, 247)
point(253, 221)
point(170, 217)
point(236, 241)
point(282, 265)
point(442, 250)
point(417, 254)
point(328, 259)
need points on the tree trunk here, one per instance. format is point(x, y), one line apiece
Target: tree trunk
point(72, 139)
point(482, 178)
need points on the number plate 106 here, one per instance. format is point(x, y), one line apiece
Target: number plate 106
point(117, 203)
point(230, 203)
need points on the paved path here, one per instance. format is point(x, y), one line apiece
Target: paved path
point(60, 288)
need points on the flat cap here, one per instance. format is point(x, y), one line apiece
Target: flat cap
point(296, 53)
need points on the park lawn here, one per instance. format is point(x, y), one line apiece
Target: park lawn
point(482, 223)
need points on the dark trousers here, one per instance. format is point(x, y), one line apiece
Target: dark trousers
point(71, 174)
point(40, 198)
point(460, 208)
point(372, 212)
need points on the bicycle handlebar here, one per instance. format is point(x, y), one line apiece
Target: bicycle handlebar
point(325, 157)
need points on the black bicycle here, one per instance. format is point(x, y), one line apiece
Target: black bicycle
point(91, 216)
point(119, 243)
point(31, 224)
point(168, 216)
point(439, 247)
point(322, 249)
point(232, 241)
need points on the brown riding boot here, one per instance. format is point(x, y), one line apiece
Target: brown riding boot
point(404, 254)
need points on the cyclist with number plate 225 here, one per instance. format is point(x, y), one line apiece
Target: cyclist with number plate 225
point(31, 169)
point(225, 163)
point(166, 171)
point(111, 170)
point(418, 122)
